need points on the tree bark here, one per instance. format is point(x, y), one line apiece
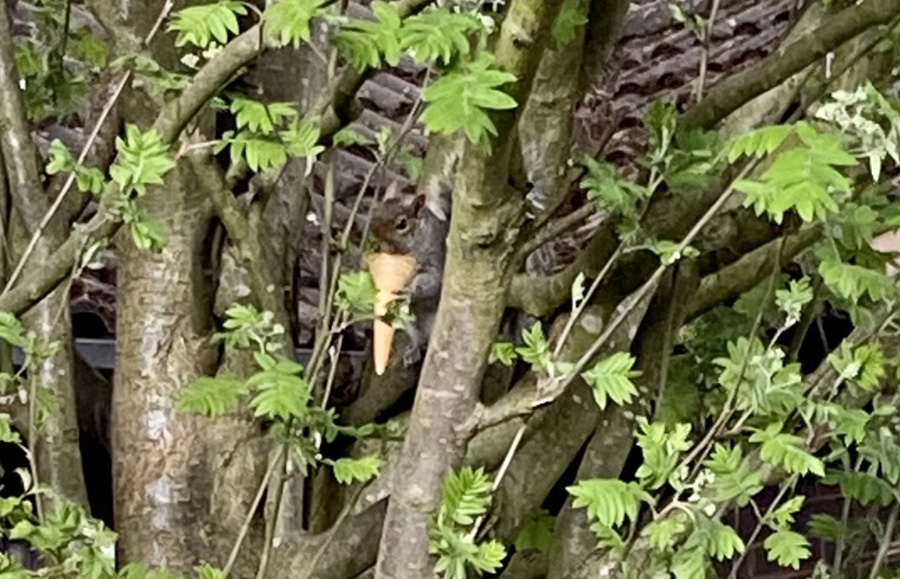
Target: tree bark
point(163, 329)
point(486, 216)
point(57, 456)
point(58, 453)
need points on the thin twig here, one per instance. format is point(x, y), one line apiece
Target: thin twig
point(280, 463)
point(558, 227)
point(332, 372)
point(885, 542)
point(704, 57)
point(245, 528)
point(845, 517)
point(727, 409)
point(570, 323)
point(501, 472)
point(650, 283)
point(345, 512)
point(759, 525)
point(32, 441)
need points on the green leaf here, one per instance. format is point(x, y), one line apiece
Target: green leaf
point(851, 423)
point(259, 117)
point(863, 487)
point(356, 293)
point(792, 300)
point(537, 533)
point(503, 352)
point(689, 564)
point(863, 366)
point(661, 450)
point(536, 350)
point(200, 25)
point(767, 387)
point(881, 449)
point(722, 541)
point(786, 451)
point(853, 282)
point(211, 396)
point(759, 143)
point(802, 179)
point(664, 533)
point(302, 140)
point(462, 98)
point(610, 378)
point(280, 393)
point(261, 153)
point(735, 479)
point(365, 42)
point(207, 571)
point(669, 251)
point(7, 434)
point(608, 501)
point(148, 233)
point(787, 548)
point(609, 191)
point(458, 551)
point(287, 21)
point(143, 159)
point(783, 516)
point(438, 35)
point(90, 48)
point(348, 470)
point(854, 227)
point(823, 526)
point(11, 330)
point(60, 158)
point(490, 557)
point(465, 495)
point(349, 136)
point(571, 16)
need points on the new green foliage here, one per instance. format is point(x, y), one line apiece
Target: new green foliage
point(463, 98)
point(465, 497)
point(203, 24)
point(279, 393)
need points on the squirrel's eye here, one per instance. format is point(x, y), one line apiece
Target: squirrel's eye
point(402, 224)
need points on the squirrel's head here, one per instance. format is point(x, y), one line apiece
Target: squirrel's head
point(395, 220)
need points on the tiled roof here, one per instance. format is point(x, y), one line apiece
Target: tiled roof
point(655, 56)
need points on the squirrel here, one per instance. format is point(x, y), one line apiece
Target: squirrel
point(403, 224)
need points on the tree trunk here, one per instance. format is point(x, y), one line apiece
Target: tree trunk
point(163, 330)
point(58, 453)
point(485, 220)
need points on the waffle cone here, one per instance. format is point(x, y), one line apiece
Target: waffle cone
point(383, 338)
point(391, 274)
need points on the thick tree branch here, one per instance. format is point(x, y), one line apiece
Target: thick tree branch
point(486, 218)
point(42, 280)
point(738, 277)
point(243, 235)
point(734, 91)
point(170, 122)
point(19, 152)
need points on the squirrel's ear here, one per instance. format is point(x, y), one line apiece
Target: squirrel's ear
point(417, 204)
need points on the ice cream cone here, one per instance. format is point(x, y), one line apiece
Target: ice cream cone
point(391, 274)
